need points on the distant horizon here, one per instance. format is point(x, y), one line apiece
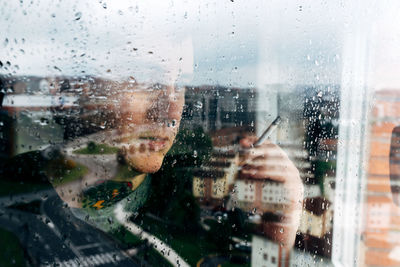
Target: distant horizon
point(124, 79)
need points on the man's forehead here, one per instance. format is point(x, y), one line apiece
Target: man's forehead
point(99, 89)
point(167, 62)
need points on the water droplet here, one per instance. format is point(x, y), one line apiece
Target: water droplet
point(44, 121)
point(132, 79)
point(78, 15)
point(198, 105)
point(281, 230)
point(195, 153)
point(105, 5)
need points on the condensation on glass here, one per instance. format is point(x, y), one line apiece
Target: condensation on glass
point(130, 133)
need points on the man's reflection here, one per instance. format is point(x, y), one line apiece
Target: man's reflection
point(94, 173)
point(144, 123)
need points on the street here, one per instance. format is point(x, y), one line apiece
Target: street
point(56, 237)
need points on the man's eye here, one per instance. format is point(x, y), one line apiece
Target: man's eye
point(158, 87)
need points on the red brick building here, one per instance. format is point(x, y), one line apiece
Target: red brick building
point(382, 222)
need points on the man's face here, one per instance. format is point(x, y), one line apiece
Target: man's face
point(147, 122)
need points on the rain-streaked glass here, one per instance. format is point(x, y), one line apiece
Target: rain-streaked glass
point(219, 133)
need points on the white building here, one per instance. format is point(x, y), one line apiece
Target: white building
point(266, 253)
point(262, 195)
point(317, 217)
point(303, 259)
point(214, 182)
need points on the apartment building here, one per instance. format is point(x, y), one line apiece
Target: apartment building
point(382, 215)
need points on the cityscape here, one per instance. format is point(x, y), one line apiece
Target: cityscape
point(200, 212)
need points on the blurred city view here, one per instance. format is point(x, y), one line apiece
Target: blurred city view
point(229, 214)
point(57, 110)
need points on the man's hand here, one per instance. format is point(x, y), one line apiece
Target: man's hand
point(269, 162)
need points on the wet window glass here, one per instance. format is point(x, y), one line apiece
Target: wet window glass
point(219, 133)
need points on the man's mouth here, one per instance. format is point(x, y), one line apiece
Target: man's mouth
point(152, 143)
point(144, 142)
point(152, 138)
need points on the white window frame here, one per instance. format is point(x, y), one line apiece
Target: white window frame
point(353, 143)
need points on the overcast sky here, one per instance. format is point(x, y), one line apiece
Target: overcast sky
point(237, 43)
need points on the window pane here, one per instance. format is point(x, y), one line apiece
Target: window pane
point(250, 133)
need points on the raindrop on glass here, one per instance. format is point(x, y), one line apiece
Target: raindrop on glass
point(78, 15)
point(132, 79)
point(198, 104)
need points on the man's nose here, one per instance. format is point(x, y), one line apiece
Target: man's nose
point(158, 110)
